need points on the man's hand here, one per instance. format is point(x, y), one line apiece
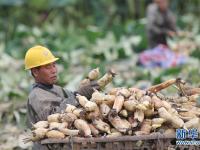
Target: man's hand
point(88, 89)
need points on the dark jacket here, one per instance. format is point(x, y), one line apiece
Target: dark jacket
point(158, 24)
point(44, 100)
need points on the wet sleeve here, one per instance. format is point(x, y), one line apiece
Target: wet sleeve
point(70, 98)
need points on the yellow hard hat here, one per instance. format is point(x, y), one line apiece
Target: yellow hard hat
point(38, 56)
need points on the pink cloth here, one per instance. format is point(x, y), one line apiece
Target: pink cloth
point(161, 56)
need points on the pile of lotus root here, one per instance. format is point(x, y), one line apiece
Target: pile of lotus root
point(123, 111)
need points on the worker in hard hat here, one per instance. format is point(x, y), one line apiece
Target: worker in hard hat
point(161, 23)
point(46, 97)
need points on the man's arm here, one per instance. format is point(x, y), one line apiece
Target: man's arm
point(84, 90)
point(70, 98)
point(171, 21)
point(88, 89)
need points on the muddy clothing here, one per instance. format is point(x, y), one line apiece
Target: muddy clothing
point(158, 24)
point(44, 100)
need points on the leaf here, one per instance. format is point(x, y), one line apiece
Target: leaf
point(5, 107)
point(12, 2)
point(17, 116)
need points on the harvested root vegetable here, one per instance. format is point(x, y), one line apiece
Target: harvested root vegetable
point(164, 114)
point(64, 125)
point(180, 99)
point(170, 132)
point(141, 106)
point(104, 109)
point(88, 105)
point(123, 113)
point(139, 115)
point(146, 98)
point(139, 94)
point(158, 120)
point(93, 114)
point(54, 125)
point(70, 108)
point(146, 101)
point(97, 97)
point(132, 97)
point(193, 98)
point(157, 102)
point(69, 132)
point(173, 119)
point(93, 74)
point(54, 118)
point(107, 78)
point(100, 125)
point(79, 112)
point(130, 105)
point(35, 135)
point(100, 98)
point(192, 91)
point(68, 117)
point(55, 134)
point(134, 123)
point(109, 100)
point(41, 124)
point(112, 130)
point(173, 111)
point(122, 125)
point(119, 101)
point(85, 82)
point(188, 115)
point(141, 133)
point(82, 100)
point(114, 91)
point(134, 90)
point(155, 126)
point(26, 138)
point(149, 112)
point(94, 130)
point(124, 92)
point(166, 105)
point(193, 123)
point(114, 134)
point(83, 126)
point(146, 125)
point(145, 128)
point(39, 133)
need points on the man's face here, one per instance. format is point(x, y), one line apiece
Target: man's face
point(46, 74)
point(162, 4)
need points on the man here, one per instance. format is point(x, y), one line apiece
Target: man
point(160, 23)
point(45, 97)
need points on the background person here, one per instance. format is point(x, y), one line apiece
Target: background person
point(160, 23)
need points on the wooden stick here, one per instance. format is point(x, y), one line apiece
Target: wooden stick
point(159, 87)
point(110, 139)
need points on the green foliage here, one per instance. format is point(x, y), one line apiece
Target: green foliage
point(196, 54)
point(168, 72)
